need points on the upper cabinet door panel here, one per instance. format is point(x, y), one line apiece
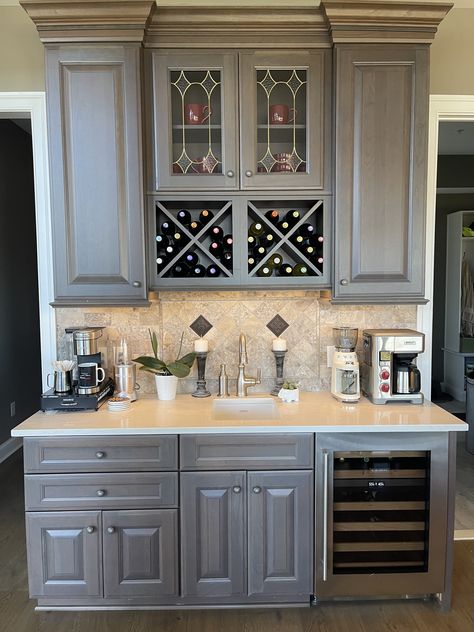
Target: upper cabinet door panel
point(284, 98)
point(381, 134)
point(195, 121)
point(95, 130)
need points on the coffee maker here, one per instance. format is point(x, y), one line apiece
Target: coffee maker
point(388, 370)
point(82, 395)
point(345, 365)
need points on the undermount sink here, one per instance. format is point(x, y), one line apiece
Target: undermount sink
point(245, 408)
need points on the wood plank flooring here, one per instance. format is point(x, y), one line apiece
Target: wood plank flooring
point(17, 612)
point(464, 514)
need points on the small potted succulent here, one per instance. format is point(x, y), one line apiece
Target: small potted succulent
point(289, 392)
point(166, 374)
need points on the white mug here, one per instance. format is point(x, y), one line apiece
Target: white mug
point(88, 374)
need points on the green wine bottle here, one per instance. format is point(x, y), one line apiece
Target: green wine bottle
point(300, 269)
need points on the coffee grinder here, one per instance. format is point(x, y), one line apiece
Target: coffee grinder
point(81, 397)
point(345, 365)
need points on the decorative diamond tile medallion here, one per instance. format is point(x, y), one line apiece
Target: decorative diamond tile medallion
point(277, 325)
point(201, 326)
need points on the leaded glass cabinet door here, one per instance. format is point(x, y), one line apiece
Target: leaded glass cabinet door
point(285, 124)
point(195, 121)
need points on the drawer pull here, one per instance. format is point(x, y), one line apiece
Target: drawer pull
point(257, 490)
point(100, 455)
point(110, 529)
point(100, 492)
point(236, 489)
point(90, 529)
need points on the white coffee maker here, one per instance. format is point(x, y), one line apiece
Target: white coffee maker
point(345, 385)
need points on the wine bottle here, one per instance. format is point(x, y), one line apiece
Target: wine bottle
point(309, 251)
point(195, 227)
point(275, 261)
point(300, 269)
point(252, 241)
point(180, 269)
point(259, 252)
point(256, 229)
point(205, 216)
point(228, 241)
point(215, 247)
point(162, 241)
point(168, 228)
point(178, 238)
point(191, 258)
point(227, 258)
point(306, 230)
point(212, 271)
point(184, 217)
point(297, 240)
point(268, 239)
point(273, 216)
point(198, 270)
point(284, 226)
point(319, 260)
point(217, 233)
point(315, 240)
point(171, 251)
point(285, 270)
point(264, 271)
point(292, 217)
point(251, 261)
point(161, 261)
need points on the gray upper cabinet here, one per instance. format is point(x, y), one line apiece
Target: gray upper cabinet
point(94, 120)
point(380, 172)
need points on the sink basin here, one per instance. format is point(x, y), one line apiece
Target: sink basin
point(245, 408)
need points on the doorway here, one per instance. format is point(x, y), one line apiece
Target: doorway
point(27, 109)
point(450, 190)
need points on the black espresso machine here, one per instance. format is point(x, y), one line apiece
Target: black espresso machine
point(81, 397)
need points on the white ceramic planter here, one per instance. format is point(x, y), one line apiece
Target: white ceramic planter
point(289, 394)
point(166, 386)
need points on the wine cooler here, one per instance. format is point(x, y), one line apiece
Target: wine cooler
point(382, 514)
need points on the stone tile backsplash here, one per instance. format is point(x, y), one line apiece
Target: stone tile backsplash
point(310, 316)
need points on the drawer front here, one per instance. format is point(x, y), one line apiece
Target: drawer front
point(101, 491)
point(253, 451)
point(101, 454)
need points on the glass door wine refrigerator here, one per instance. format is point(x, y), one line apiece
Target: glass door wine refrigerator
point(381, 523)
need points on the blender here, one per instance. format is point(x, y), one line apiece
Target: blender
point(345, 367)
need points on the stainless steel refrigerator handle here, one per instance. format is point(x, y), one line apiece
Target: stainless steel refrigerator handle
point(325, 513)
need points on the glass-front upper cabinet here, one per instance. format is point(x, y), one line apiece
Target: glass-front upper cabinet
point(284, 119)
point(195, 121)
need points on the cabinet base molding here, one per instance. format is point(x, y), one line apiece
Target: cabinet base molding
point(43, 605)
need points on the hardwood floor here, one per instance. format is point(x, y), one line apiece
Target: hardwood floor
point(17, 612)
point(464, 514)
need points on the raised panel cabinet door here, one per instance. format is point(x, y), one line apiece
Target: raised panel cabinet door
point(140, 553)
point(285, 104)
point(280, 533)
point(213, 534)
point(195, 121)
point(94, 122)
point(64, 553)
point(380, 177)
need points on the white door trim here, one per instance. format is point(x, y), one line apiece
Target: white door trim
point(443, 107)
point(33, 105)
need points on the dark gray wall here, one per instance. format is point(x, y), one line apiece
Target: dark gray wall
point(453, 171)
point(20, 364)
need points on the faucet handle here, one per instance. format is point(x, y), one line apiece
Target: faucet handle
point(258, 379)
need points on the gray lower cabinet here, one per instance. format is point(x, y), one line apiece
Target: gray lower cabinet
point(94, 126)
point(93, 554)
point(381, 134)
point(247, 536)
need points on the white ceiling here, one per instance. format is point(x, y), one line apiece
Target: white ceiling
point(456, 138)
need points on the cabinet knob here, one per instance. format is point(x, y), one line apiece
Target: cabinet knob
point(230, 174)
point(249, 173)
point(236, 489)
point(257, 490)
point(136, 284)
point(344, 282)
point(100, 455)
point(90, 529)
point(110, 529)
point(100, 492)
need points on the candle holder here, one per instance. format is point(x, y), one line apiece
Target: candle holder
point(201, 390)
point(279, 359)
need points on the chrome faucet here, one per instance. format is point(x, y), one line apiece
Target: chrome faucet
point(243, 381)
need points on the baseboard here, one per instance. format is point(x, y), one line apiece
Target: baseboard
point(464, 534)
point(8, 447)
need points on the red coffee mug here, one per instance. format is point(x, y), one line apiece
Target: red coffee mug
point(197, 113)
point(280, 114)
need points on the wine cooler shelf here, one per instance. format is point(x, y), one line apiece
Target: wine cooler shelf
point(239, 242)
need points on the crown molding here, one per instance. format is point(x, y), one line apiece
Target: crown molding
point(386, 21)
point(89, 20)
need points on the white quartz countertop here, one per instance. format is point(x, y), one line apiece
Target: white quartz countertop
point(315, 412)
